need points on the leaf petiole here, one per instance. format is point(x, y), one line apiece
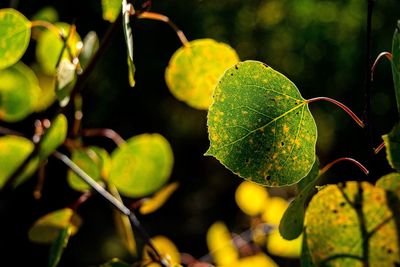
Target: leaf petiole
point(357, 163)
point(388, 55)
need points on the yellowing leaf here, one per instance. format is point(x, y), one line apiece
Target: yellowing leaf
point(392, 146)
point(274, 210)
point(251, 198)
point(54, 136)
point(278, 246)
point(142, 165)
point(19, 91)
point(47, 228)
point(15, 33)
point(220, 245)
point(111, 9)
point(13, 151)
point(194, 70)
point(154, 203)
point(47, 95)
point(49, 47)
point(258, 260)
point(167, 250)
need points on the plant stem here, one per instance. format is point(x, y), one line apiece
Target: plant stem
point(387, 55)
point(48, 26)
point(109, 133)
point(329, 165)
point(112, 200)
point(163, 18)
point(379, 148)
point(342, 106)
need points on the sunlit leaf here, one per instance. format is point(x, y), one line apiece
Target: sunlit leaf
point(46, 13)
point(19, 91)
point(392, 146)
point(47, 228)
point(278, 246)
point(54, 136)
point(220, 245)
point(251, 198)
point(49, 46)
point(89, 160)
point(167, 250)
point(194, 70)
point(160, 197)
point(66, 76)
point(142, 165)
point(390, 182)
point(115, 263)
point(13, 151)
point(291, 224)
point(58, 246)
point(260, 127)
point(396, 63)
point(90, 46)
point(47, 85)
point(333, 223)
point(258, 260)
point(111, 9)
point(274, 210)
point(15, 33)
point(123, 225)
point(129, 43)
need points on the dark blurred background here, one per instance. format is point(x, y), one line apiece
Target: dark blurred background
point(319, 45)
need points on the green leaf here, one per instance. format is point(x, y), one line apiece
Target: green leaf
point(260, 127)
point(111, 9)
point(47, 229)
point(49, 46)
point(58, 246)
point(129, 43)
point(291, 225)
point(115, 263)
point(142, 165)
point(46, 13)
point(392, 146)
point(342, 221)
point(47, 85)
point(91, 160)
point(54, 136)
point(19, 91)
point(66, 76)
point(15, 33)
point(90, 47)
point(13, 151)
point(396, 63)
point(390, 182)
point(194, 70)
point(305, 259)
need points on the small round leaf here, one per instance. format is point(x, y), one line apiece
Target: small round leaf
point(167, 250)
point(15, 33)
point(220, 245)
point(251, 198)
point(160, 197)
point(142, 165)
point(194, 70)
point(260, 126)
point(54, 136)
point(111, 9)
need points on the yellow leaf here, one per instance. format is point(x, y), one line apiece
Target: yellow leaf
point(220, 245)
point(278, 246)
point(251, 198)
point(274, 210)
point(152, 204)
point(258, 260)
point(167, 250)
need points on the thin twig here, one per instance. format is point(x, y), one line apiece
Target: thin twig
point(7, 131)
point(387, 55)
point(104, 132)
point(329, 165)
point(379, 148)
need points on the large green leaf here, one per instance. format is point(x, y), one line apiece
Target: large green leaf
point(194, 70)
point(352, 224)
point(291, 225)
point(111, 9)
point(392, 146)
point(19, 91)
point(396, 63)
point(47, 229)
point(15, 33)
point(13, 151)
point(142, 165)
point(54, 136)
point(58, 246)
point(49, 47)
point(260, 127)
point(129, 43)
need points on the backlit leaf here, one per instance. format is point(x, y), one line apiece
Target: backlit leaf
point(129, 43)
point(54, 136)
point(142, 165)
point(392, 146)
point(13, 151)
point(260, 127)
point(15, 33)
point(66, 76)
point(90, 47)
point(115, 263)
point(160, 197)
point(220, 245)
point(167, 250)
point(278, 246)
point(396, 63)
point(194, 70)
point(58, 246)
point(46, 13)
point(49, 47)
point(333, 221)
point(251, 198)
point(47, 228)
point(390, 182)
point(274, 210)
point(291, 224)
point(47, 85)
point(19, 91)
point(111, 9)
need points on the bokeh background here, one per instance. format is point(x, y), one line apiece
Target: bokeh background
point(318, 44)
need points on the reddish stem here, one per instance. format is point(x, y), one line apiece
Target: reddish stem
point(342, 106)
point(379, 148)
point(109, 133)
point(378, 58)
point(329, 165)
point(82, 199)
